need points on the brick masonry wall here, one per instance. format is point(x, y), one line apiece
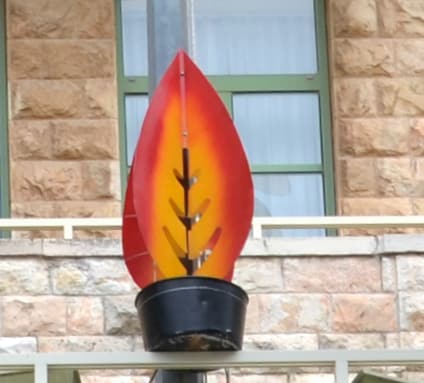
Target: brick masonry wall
point(63, 128)
point(355, 293)
point(377, 62)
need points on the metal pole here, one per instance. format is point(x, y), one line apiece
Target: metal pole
point(167, 32)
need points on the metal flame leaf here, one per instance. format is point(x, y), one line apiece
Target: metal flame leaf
point(191, 188)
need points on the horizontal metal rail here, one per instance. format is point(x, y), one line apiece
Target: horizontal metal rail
point(259, 224)
point(339, 360)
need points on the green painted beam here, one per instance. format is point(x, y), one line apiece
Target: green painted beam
point(287, 168)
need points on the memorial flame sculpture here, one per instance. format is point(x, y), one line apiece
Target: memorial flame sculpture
point(188, 210)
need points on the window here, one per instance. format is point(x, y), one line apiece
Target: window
point(267, 60)
point(4, 171)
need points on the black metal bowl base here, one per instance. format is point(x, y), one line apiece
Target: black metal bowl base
point(192, 314)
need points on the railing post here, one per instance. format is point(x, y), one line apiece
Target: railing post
point(40, 373)
point(68, 231)
point(256, 229)
point(342, 371)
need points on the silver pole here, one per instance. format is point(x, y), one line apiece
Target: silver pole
point(167, 32)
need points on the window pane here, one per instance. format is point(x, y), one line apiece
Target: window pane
point(285, 195)
point(279, 128)
point(255, 37)
point(134, 36)
point(135, 110)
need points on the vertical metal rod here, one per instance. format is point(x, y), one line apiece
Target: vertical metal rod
point(342, 371)
point(40, 373)
point(167, 32)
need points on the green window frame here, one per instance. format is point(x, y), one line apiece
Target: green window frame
point(228, 85)
point(4, 157)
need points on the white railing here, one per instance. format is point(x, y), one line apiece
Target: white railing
point(259, 224)
point(340, 360)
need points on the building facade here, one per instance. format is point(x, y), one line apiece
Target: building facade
point(343, 124)
point(74, 85)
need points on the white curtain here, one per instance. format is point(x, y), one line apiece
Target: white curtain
point(254, 37)
point(289, 195)
point(279, 128)
point(135, 110)
point(134, 36)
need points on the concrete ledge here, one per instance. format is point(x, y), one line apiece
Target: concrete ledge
point(10, 247)
point(269, 247)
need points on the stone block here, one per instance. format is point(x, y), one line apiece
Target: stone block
point(46, 180)
point(276, 313)
point(30, 140)
point(23, 276)
point(392, 341)
point(400, 97)
point(402, 243)
point(100, 180)
point(33, 209)
point(18, 345)
point(121, 316)
point(30, 316)
point(395, 177)
point(85, 139)
point(84, 316)
point(332, 274)
point(85, 344)
point(80, 58)
point(351, 341)
point(312, 378)
point(416, 140)
point(259, 274)
point(25, 247)
point(412, 340)
point(100, 98)
point(355, 98)
point(388, 273)
point(401, 18)
point(354, 313)
point(358, 177)
point(418, 206)
point(254, 377)
point(354, 17)
point(280, 342)
point(254, 247)
point(376, 206)
point(97, 247)
point(375, 137)
point(55, 19)
point(318, 246)
point(27, 60)
point(410, 56)
point(91, 277)
point(87, 209)
point(410, 272)
point(364, 57)
point(47, 99)
point(411, 310)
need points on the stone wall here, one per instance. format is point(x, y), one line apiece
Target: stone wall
point(356, 293)
point(64, 157)
point(63, 106)
point(377, 60)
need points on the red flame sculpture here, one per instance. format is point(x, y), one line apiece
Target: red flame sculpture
point(189, 201)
